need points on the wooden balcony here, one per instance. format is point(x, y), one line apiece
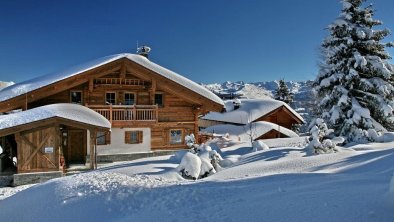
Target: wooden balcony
point(119, 81)
point(124, 113)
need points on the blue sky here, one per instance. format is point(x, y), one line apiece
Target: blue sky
point(206, 41)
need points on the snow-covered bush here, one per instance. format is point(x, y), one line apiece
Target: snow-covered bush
point(190, 166)
point(259, 145)
point(190, 141)
point(206, 168)
point(320, 141)
point(200, 162)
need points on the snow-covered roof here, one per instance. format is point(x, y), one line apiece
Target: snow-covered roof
point(249, 111)
point(62, 110)
point(36, 83)
point(258, 129)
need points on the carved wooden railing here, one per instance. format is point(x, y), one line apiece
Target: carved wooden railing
point(127, 113)
point(119, 81)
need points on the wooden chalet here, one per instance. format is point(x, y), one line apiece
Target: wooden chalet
point(149, 107)
point(246, 111)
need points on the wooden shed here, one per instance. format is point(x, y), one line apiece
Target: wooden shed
point(50, 137)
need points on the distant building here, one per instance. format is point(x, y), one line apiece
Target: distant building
point(273, 118)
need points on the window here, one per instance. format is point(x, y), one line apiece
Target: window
point(176, 136)
point(110, 98)
point(129, 99)
point(103, 138)
point(133, 137)
point(159, 99)
point(76, 97)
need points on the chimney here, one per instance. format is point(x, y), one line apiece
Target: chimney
point(143, 50)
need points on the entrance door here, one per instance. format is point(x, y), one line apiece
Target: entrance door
point(76, 151)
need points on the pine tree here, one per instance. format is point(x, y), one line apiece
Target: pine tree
point(283, 93)
point(355, 82)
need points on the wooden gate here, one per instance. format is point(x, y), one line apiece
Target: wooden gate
point(38, 150)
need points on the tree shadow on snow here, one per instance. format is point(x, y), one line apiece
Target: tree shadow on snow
point(140, 163)
point(379, 162)
point(269, 155)
point(239, 151)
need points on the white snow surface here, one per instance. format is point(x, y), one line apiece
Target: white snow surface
point(63, 110)
point(281, 184)
point(39, 82)
point(255, 129)
point(5, 84)
point(249, 111)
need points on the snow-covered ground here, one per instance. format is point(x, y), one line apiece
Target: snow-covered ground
point(281, 184)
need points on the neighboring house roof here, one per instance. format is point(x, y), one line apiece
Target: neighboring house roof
point(249, 111)
point(258, 129)
point(39, 82)
point(65, 111)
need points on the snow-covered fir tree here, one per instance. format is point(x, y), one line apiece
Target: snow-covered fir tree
point(355, 82)
point(283, 93)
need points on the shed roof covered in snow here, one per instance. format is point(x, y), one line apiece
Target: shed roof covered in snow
point(256, 130)
point(250, 110)
point(20, 89)
point(61, 113)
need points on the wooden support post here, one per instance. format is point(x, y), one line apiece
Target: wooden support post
point(157, 113)
point(134, 113)
point(18, 151)
point(196, 113)
point(91, 149)
point(110, 114)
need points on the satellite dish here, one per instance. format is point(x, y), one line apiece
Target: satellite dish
point(143, 50)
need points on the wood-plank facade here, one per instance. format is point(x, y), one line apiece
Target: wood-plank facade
point(132, 97)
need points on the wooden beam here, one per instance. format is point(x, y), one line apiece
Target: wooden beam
point(153, 92)
point(91, 84)
point(123, 71)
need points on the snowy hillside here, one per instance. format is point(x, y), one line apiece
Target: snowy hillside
point(281, 184)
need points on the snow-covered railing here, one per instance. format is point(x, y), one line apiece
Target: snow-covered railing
point(127, 112)
point(119, 81)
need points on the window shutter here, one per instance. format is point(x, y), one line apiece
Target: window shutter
point(127, 137)
point(140, 136)
point(108, 138)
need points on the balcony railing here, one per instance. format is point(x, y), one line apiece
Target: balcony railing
point(127, 113)
point(119, 81)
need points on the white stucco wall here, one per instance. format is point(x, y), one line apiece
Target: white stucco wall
point(118, 146)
